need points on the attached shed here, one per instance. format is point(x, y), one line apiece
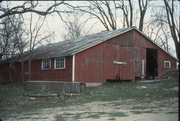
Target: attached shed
point(123, 54)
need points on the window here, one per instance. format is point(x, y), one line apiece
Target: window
point(59, 63)
point(46, 64)
point(167, 64)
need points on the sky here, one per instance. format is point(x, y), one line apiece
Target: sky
point(54, 24)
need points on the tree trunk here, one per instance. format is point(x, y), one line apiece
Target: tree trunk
point(177, 44)
point(131, 13)
point(141, 21)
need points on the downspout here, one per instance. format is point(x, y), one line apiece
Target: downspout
point(73, 68)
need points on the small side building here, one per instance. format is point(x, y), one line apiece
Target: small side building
point(124, 54)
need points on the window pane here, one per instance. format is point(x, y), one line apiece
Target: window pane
point(46, 64)
point(167, 64)
point(60, 63)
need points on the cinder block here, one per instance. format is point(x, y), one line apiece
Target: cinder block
point(68, 87)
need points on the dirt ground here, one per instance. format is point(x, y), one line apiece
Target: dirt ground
point(120, 110)
point(140, 101)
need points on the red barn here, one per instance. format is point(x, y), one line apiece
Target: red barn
point(124, 54)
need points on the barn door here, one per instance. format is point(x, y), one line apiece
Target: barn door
point(123, 63)
point(151, 63)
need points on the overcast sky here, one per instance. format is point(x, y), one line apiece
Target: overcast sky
point(54, 24)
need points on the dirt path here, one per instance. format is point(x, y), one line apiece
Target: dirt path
point(121, 110)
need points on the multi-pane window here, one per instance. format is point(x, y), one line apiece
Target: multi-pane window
point(46, 64)
point(59, 63)
point(167, 64)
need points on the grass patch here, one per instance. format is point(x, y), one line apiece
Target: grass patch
point(111, 119)
point(60, 118)
point(78, 116)
point(142, 108)
point(139, 107)
point(115, 91)
point(140, 112)
point(117, 114)
point(93, 116)
point(172, 112)
point(15, 95)
point(68, 114)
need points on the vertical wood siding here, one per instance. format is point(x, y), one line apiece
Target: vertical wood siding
point(96, 64)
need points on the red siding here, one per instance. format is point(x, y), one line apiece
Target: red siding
point(38, 74)
point(96, 64)
point(163, 57)
point(52, 74)
point(142, 43)
point(4, 71)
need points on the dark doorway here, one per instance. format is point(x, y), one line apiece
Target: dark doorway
point(151, 63)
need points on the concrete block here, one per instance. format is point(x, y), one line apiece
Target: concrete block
point(93, 84)
point(58, 86)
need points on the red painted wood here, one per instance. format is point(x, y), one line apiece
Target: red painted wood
point(142, 42)
point(37, 73)
point(96, 64)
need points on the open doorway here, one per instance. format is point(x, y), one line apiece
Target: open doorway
point(151, 64)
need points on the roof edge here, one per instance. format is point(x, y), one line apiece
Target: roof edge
point(131, 28)
point(154, 43)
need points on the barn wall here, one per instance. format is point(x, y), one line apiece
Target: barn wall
point(8, 73)
point(96, 64)
point(163, 57)
point(89, 65)
point(38, 74)
point(52, 74)
point(141, 43)
point(139, 55)
point(4, 72)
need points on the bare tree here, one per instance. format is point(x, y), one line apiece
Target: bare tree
point(35, 37)
point(106, 12)
point(7, 38)
point(160, 36)
point(143, 5)
point(8, 10)
point(174, 29)
point(127, 11)
point(26, 7)
point(101, 10)
point(11, 34)
point(21, 43)
point(74, 27)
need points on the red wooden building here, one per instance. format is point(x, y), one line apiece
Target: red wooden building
point(124, 54)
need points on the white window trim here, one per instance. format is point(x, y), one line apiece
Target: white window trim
point(42, 64)
point(64, 63)
point(167, 62)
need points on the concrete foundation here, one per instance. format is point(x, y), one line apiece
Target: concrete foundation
point(93, 84)
point(58, 86)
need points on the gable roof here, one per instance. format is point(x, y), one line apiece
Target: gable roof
point(73, 46)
